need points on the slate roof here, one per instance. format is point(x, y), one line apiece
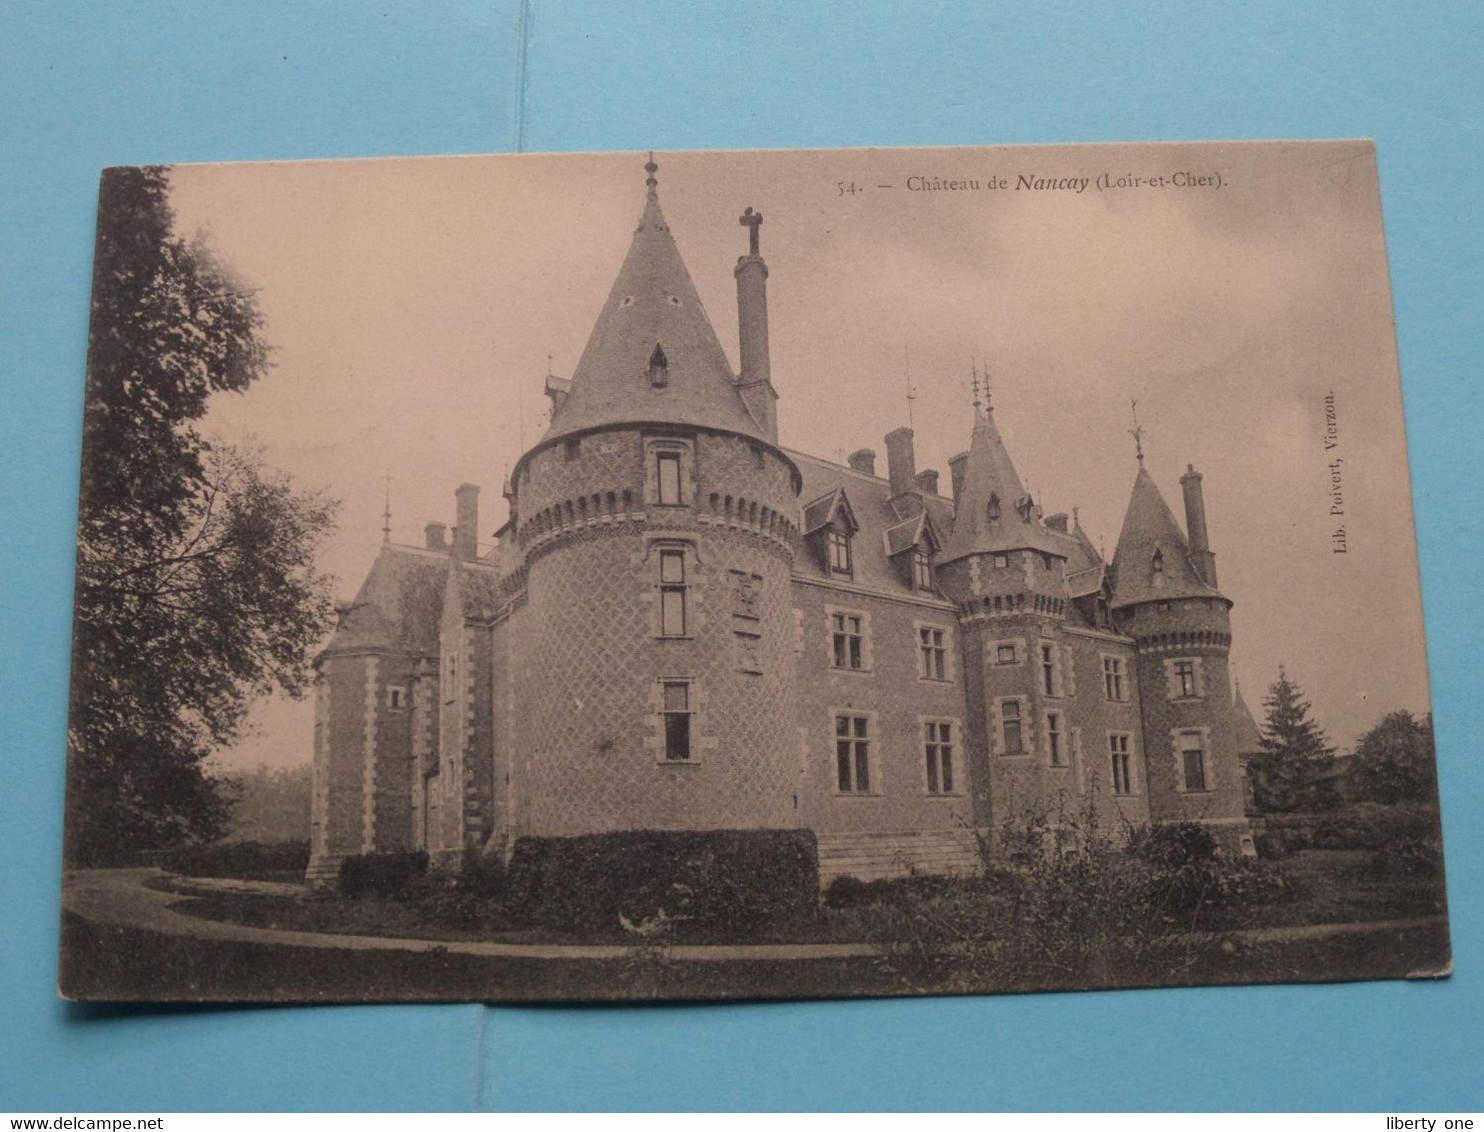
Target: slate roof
point(869, 501)
point(988, 471)
point(1149, 526)
point(653, 303)
point(1249, 738)
point(1085, 568)
point(398, 606)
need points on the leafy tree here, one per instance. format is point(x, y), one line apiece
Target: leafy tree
point(196, 585)
point(1395, 761)
point(273, 804)
point(1297, 770)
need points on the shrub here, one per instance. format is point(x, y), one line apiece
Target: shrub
point(384, 875)
point(723, 883)
point(1172, 845)
point(248, 860)
point(1411, 857)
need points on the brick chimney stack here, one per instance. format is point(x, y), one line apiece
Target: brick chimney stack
point(466, 528)
point(862, 460)
point(901, 461)
point(755, 382)
point(1201, 555)
point(434, 536)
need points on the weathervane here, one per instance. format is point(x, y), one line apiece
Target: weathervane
point(911, 392)
point(1137, 432)
point(386, 514)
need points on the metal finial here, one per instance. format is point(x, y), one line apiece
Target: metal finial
point(911, 392)
point(974, 382)
point(988, 392)
point(1137, 432)
point(651, 168)
point(386, 514)
point(752, 221)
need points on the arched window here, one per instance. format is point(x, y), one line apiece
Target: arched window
point(1159, 560)
point(994, 508)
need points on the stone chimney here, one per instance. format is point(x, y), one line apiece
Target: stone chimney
point(434, 536)
point(927, 481)
point(862, 460)
point(466, 528)
point(1201, 556)
point(901, 461)
point(755, 382)
point(956, 465)
point(1058, 522)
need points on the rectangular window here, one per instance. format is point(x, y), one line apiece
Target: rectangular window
point(922, 570)
point(853, 754)
point(1048, 669)
point(1113, 688)
point(934, 654)
point(1010, 724)
point(668, 464)
point(677, 720)
point(1123, 781)
point(1053, 738)
point(1193, 762)
point(839, 545)
point(396, 698)
point(846, 640)
point(939, 750)
point(1185, 678)
point(1001, 561)
point(672, 593)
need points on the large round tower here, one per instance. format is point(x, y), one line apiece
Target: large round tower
point(1165, 598)
point(651, 662)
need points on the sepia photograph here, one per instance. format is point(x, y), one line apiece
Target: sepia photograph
point(739, 575)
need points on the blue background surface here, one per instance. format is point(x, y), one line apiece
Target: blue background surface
point(83, 86)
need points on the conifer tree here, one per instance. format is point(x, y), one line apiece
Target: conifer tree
point(1297, 770)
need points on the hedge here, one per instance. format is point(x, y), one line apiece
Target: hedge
point(386, 875)
point(253, 860)
point(652, 883)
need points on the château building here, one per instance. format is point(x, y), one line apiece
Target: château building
point(685, 626)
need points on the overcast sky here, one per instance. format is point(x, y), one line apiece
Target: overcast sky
point(412, 305)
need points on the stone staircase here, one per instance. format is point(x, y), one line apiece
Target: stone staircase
point(877, 856)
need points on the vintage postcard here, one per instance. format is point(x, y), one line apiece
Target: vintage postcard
point(738, 575)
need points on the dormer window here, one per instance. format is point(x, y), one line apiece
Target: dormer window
point(838, 545)
point(1159, 561)
point(994, 508)
point(659, 368)
point(922, 569)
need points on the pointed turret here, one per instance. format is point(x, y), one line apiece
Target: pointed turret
point(1153, 561)
point(993, 512)
point(653, 355)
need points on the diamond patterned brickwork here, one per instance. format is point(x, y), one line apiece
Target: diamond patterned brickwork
point(588, 755)
point(608, 479)
point(1195, 629)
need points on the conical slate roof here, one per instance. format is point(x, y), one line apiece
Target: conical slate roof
point(653, 316)
point(988, 472)
point(1152, 562)
point(1249, 738)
